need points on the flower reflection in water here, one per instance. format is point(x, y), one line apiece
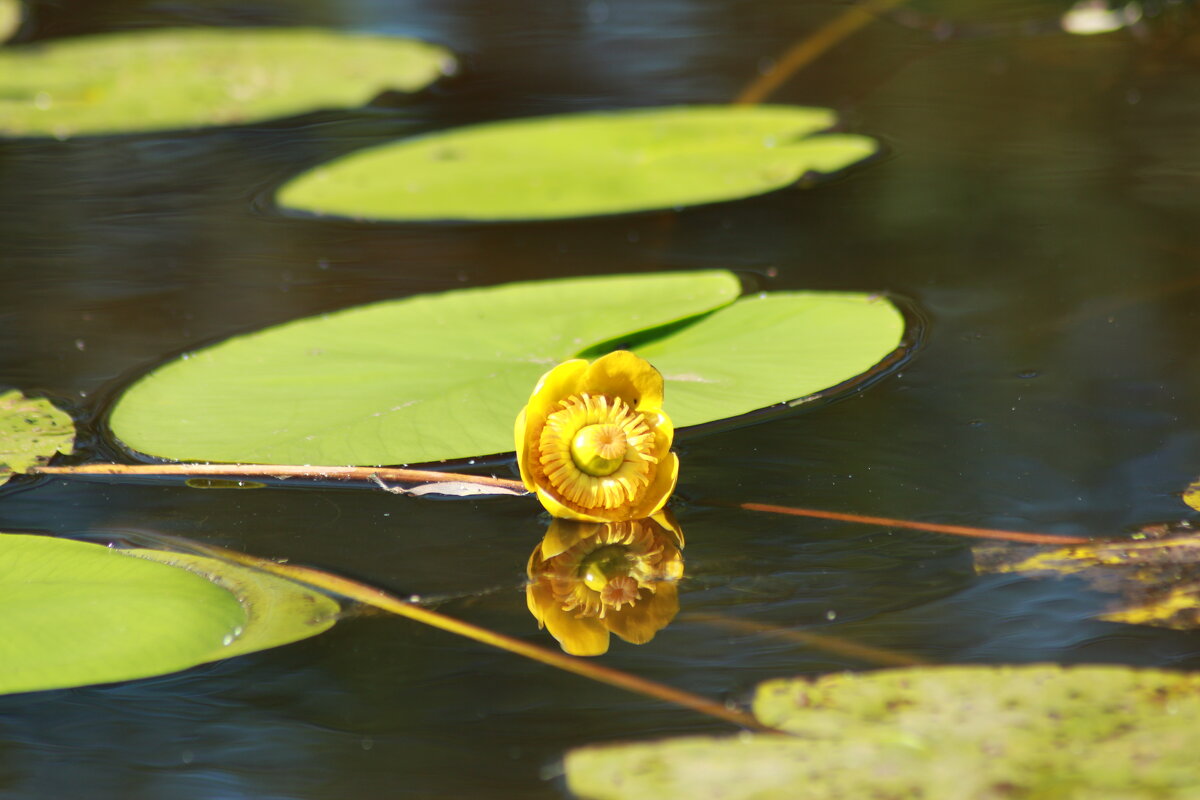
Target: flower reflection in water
point(590, 579)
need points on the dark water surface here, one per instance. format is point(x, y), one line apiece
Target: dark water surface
point(1038, 202)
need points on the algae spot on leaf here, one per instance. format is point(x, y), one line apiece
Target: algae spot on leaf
point(1155, 574)
point(375, 397)
point(941, 733)
point(74, 613)
point(579, 165)
point(167, 79)
point(32, 430)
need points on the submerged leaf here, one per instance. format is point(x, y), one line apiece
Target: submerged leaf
point(441, 376)
point(581, 165)
point(32, 430)
point(1191, 495)
point(74, 613)
point(189, 77)
point(940, 733)
point(1156, 573)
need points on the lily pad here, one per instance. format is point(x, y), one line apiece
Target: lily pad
point(940, 733)
point(192, 77)
point(32, 430)
point(74, 613)
point(10, 18)
point(581, 164)
point(443, 376)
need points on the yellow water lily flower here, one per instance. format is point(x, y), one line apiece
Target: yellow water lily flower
point(590, 580)
point(593, 441)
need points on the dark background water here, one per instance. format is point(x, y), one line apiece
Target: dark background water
point(1038, 202)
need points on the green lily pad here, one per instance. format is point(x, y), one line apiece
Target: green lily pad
point(32, 430)
point(580, 165)
point(10, 18)
point(191, 77)
point(74, 613)
point(947, 733)
point(443, 376)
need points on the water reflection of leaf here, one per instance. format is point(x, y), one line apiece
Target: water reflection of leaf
point(1155, 573)
point(588, 580)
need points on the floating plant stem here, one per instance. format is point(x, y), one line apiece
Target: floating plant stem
point(284, 471)
point(808, 49)
point(933, 527)
point(877, 656)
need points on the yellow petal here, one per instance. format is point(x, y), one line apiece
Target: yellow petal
point(557, 509)
point(666, 520)
point(622, 374)
point(579, 636)
point(555, 385)
point(563, 534)
point(638, 623)
point(659, 491)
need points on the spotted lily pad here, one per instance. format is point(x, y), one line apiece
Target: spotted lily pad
point(31, 431)
point(581, 164)
point(192, 77)
point(75, 613)
point(443, 376)
point(943, 733)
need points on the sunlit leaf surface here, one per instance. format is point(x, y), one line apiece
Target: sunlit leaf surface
point(443, 376)
point(1155, 574)
point(581, 164)
point(192, 77)
point(74, 613)
point(930, 734)
point(31, 431)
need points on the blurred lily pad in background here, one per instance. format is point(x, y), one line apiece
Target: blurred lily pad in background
point(74, 613)
point(192, 77)
point(578, 165)
point(10, 18)
point(941, 733)
point(443, 376)
point(32, 430)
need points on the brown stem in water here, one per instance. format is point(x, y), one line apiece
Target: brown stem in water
point(831, 644)
point(808, 49)
point(934, 527)
point(281, 471)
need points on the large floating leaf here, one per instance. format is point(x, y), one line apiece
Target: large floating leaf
point(183, 78)
point(930, 734)
point(31, 431)
point(443, 376)
point(74, 613)
point(1155, 573)
point(580, 165)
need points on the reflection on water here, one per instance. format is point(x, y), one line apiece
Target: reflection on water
point(589, 579)
point(1038, 200)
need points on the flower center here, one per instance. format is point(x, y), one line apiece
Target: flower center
point(597, 452)
point(601, 566)
point(599, 449)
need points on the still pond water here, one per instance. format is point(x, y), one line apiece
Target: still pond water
point(1038, 202)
